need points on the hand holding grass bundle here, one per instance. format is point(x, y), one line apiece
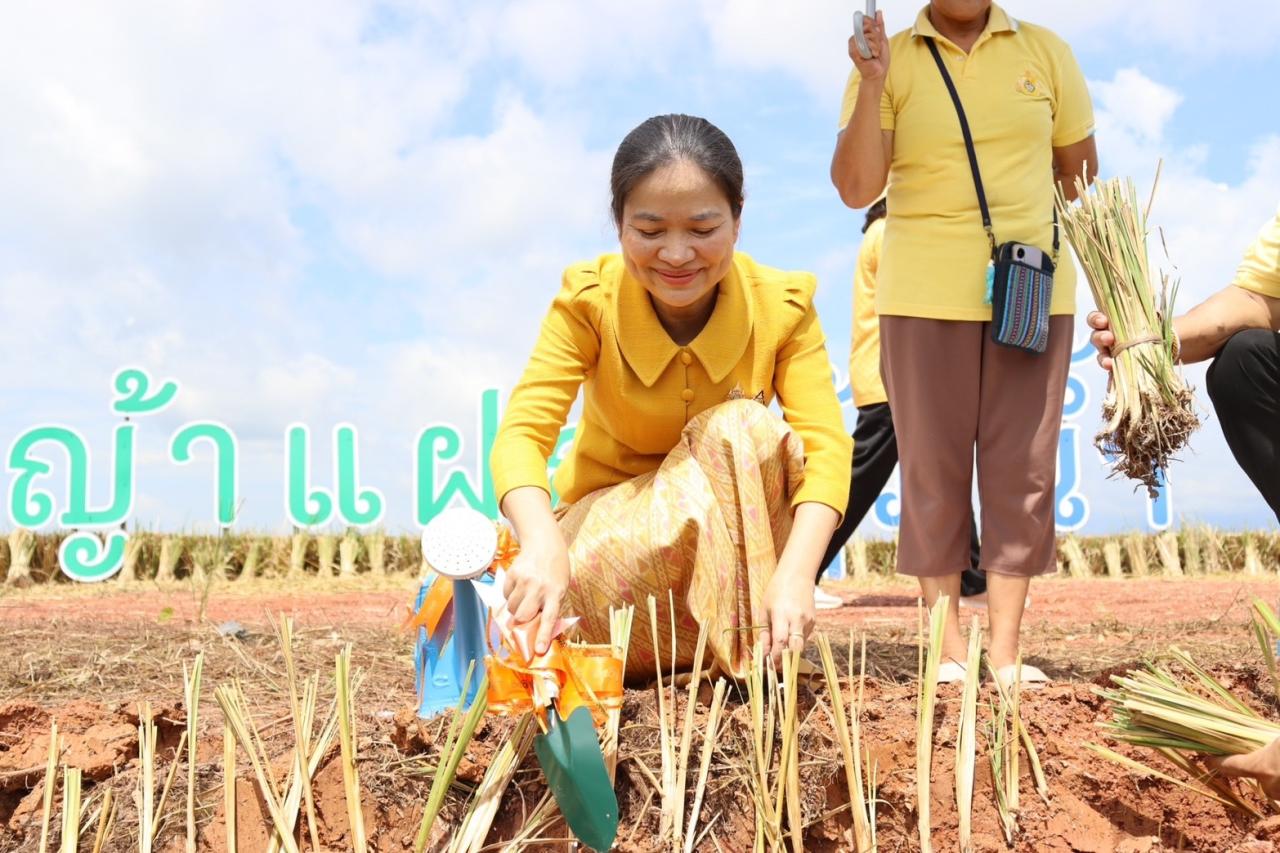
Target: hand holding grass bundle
point(1149, 411)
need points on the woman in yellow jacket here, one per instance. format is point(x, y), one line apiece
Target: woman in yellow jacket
point(679, 478)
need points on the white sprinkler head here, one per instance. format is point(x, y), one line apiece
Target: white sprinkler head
point(460, 543)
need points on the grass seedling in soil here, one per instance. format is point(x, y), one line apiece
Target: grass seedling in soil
point(710, 735)
point(483, 808)
point(849, 736)
point(147, 777)
point(927, 669)
point(1266, 629)
point(686, 738)
point(70, 809)
point(50, 782)
point(462, 727)
point(301, 728)
point(229, 785)
point(106, 821)
point(191, 685)
point(966, 741)
point(620, 621)
point(347, 743)
point(230, 699)
point(1003, 734)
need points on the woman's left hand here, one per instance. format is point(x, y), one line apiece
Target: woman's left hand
point(788, 610)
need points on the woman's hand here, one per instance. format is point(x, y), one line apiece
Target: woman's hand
point(1103, 339)
point(537, 583)
point(1261, 764)
point(877, 66)
point(538, 579)
point(788, 611)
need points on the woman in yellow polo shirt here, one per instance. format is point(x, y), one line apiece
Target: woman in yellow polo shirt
point(679, 480)
point(953, 391)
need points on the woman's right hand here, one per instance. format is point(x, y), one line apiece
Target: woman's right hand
point(877, 66)
point(537, 583)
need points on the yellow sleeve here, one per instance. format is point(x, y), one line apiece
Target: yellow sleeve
point(1260, 270)
point(568, 347)
point(851, 98)
point(802, 381)
point(1072, 106)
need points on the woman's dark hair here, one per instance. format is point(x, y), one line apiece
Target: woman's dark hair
point(879, 210)
point(666, 139)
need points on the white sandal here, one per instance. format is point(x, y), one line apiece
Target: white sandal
point(1032, 677)
point(950, 672)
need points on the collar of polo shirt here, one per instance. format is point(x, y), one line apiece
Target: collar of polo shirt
point(998, 21)
point(719, 346)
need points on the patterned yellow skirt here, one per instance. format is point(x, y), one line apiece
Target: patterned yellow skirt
point(706, 526)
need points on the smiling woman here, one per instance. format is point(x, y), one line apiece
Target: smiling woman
point(679, 481)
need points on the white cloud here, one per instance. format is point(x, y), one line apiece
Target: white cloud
point(359, 211)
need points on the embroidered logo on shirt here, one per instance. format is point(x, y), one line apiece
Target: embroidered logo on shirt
point(1028, 84)
point(738, 394)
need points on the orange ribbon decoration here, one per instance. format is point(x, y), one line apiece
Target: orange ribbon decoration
point(585, 675)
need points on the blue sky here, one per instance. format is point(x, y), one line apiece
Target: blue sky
point(347, 211)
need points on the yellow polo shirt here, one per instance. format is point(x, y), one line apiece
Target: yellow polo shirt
point(640, 388)
point(864, 355)
point(1260, 270)
point(1023, 94)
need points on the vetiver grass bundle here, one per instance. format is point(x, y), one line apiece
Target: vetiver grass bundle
point(1149, 411)
point(1154, 709)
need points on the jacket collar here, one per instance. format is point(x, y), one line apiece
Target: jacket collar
point(998, 21)
point(718, 347)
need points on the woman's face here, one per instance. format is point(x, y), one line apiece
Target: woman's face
point(677, 235)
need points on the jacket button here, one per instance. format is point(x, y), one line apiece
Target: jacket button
point(687, 395)
point(685, 357)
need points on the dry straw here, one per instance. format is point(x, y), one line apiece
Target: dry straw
point(1149, 411)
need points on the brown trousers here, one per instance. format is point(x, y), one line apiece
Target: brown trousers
point(952, 391)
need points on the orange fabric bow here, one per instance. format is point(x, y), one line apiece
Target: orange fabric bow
point(584, 675)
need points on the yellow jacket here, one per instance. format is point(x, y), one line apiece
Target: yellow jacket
point(641, 389)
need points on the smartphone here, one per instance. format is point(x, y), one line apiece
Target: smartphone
point(1029, 255)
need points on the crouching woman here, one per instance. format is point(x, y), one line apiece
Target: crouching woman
point(679, 480)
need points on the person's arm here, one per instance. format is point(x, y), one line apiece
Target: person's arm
point(860, 164)
point(1075, 148)
point(1071, 161)
point(807, 397)
point(788, 605)
point(1205, 329)
point(567, 347)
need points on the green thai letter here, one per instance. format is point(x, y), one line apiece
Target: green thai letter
point(358, 507)
point(304, 506)
point(226, 495)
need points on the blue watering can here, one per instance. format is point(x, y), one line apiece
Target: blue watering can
point(458, 545)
